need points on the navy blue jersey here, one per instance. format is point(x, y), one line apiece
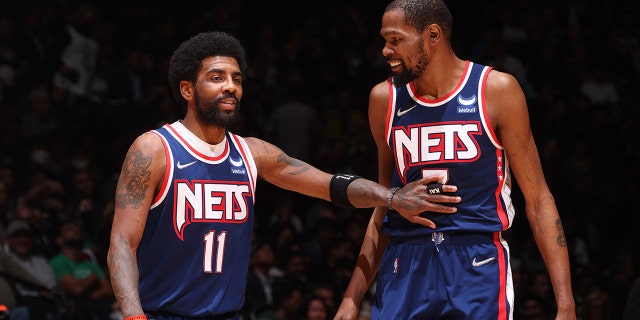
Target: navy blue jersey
point(450, 136)
point(194, 255)
point(449, 272)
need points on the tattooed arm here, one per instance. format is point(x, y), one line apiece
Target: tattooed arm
point(141, 175)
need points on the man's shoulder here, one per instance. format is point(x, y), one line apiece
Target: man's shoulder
point(501, 81)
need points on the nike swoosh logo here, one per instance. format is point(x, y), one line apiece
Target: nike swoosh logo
point(182, 166)
point(481, 262)
point(403, 112)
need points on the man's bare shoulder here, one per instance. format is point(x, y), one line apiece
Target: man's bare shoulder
point(499, 81)
point(259, 147)
point(255, 144)
point(380, 90)
point(147, 143)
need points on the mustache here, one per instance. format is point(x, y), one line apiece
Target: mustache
point(227, 96)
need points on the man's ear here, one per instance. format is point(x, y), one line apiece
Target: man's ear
point(433, 32)
point(186, 89)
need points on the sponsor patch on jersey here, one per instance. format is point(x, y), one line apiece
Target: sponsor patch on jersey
point(238, 171)
point(464, 109)
point(235, 162)
point(467, 105)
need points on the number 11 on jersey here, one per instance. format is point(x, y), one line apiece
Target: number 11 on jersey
point(210, 241)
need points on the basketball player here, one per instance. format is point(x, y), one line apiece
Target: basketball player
point(439, 114)
point(182, 230)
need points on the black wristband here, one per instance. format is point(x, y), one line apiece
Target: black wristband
point(338, 189)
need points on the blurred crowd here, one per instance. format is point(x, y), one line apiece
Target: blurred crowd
point(79, 80)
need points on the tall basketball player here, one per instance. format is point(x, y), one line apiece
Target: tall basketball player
point(440, 115)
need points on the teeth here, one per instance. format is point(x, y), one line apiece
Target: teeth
point(394, 64)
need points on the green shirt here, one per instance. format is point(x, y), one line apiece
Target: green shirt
point(63, 266)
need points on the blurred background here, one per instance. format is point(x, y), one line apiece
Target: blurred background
point(79, 80)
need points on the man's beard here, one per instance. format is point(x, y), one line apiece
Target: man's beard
point(209, 112)
point(407, 75)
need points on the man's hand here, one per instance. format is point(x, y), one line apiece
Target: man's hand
point(415, 198)
point(348, 310)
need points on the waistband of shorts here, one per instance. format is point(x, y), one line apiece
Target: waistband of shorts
point(168, 315)
point(438, 237)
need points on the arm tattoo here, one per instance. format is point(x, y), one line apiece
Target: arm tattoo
point(126, 271)
point(134, 180)
point(293, 162)
point(561, 240)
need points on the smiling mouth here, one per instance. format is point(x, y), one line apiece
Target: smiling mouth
point(394, 64)
point(227, 104)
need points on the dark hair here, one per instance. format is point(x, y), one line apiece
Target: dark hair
point(421, 13)
point(186, 61)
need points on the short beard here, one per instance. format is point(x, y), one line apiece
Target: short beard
point(406, 75)
point(209, 113)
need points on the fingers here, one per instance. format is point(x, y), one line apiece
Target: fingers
point(431, 179)
point(426, 195)
point(423, 221)
point(443, 198)
point(435, 188)
point(435, 185)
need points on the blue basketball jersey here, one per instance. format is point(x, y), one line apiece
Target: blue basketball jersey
point(450, 136)
point(194, 255)
point(461, 270)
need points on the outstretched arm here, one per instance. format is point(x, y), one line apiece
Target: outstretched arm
point(276, 167)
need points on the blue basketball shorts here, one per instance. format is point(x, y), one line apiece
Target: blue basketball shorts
point(445, 275)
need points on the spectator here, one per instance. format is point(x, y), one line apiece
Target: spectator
point(327, 293)
point(323, 270)
point(288, 297)
point(11, 273)
point(39, 228)
point(79, 54)
point(597, 307)
point(259, 292)
point(533, 307)
point(87, 206)
point(20, 245)
point(296, 269)
point(314, 308)
point(80, 278)
point(539, 284)
point(284, 213)
point(322, 239)
point(622, 273)
point(40, 120)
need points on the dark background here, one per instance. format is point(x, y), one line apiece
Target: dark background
point(327, 53)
